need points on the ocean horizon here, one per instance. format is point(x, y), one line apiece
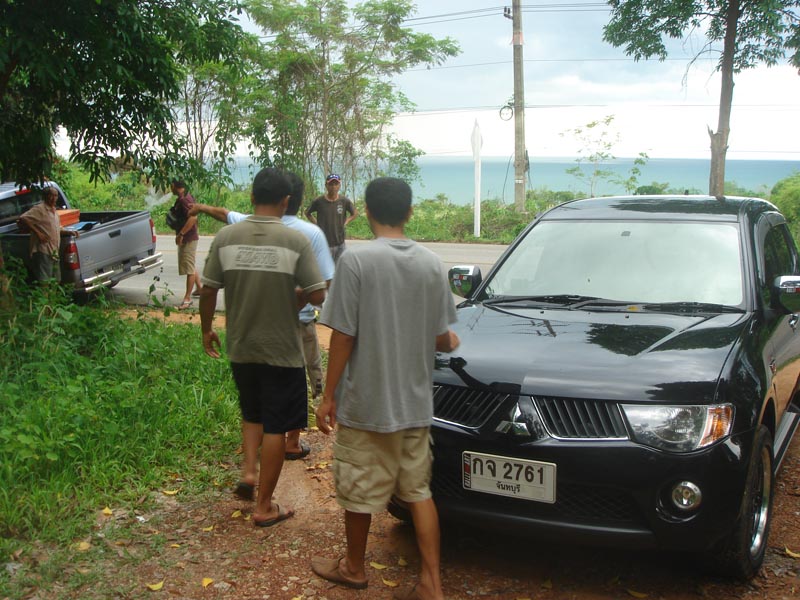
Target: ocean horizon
point(453, 177)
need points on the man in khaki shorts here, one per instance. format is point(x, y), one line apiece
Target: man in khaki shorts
point(390, 309)
point(186, 238)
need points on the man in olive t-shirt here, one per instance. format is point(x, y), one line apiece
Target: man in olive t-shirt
point(331, 214)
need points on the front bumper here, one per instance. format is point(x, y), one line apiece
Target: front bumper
point(607, 492)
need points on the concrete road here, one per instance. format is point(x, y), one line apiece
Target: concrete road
point(168, 286)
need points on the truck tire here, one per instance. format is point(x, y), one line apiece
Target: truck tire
point(399, 510)
point(741, 554)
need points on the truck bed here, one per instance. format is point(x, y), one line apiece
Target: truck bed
point(112, 246)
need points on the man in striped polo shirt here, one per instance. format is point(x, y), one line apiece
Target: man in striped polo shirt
point(266, 269)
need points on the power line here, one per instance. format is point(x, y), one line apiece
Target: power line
point(538, 60)
point(460, 109)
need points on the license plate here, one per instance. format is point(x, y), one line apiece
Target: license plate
point(504, 476)
point(115, 268)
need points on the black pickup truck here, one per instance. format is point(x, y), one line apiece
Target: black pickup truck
point(627, 375)
point(112, 245)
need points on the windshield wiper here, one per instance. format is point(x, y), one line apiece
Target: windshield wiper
point(602, 302)
point(693, 307)
point(546, 299)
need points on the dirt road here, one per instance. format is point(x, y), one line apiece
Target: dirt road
point(188, 541)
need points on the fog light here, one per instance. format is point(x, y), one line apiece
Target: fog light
point(686, 496)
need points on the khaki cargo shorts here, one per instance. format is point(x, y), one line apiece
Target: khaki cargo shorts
point(369, 467)
point(187, 254)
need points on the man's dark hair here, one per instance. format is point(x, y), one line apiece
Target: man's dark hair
point(270, 186)
point(178, 183)
point(297, 186)
point(388, 200)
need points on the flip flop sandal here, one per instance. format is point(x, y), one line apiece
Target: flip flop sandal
point(244, 491)
point(282, 516)
point(328, 568)
point(305, 449)
point(185, 304)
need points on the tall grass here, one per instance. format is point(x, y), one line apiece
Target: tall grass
point(99, 410)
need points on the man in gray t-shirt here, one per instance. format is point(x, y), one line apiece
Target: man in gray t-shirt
point(390, 309)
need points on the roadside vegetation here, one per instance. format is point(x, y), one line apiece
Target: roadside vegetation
point(99, 412)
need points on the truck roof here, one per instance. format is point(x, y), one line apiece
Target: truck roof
point(12, 188)
point(678, 207)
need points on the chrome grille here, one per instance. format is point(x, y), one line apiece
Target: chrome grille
point(581, 419)
point(465, 406)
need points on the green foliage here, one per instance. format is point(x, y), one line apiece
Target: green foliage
point(786, 196)
point(437, 220)
point(734, 189)
point(764, 30)
point(104, 71)
point(126, 191)
point(99, 410)
point(750, 33)
point(326, 99)
point(654, 188)
point(596, 146)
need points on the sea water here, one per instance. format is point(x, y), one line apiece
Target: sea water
point(454, 177)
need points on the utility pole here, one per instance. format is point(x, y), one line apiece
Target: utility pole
point(520, 157)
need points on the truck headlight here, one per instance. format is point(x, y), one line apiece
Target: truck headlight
point(679, 428)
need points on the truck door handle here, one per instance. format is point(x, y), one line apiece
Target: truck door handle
point(115, 233)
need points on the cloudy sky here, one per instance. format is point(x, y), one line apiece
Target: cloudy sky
point(572, 78)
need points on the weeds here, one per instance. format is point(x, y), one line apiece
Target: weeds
point(100, 411)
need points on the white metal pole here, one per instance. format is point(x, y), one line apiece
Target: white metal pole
point(477, 142)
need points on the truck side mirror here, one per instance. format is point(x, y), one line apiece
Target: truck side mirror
point(788, 292)
point(464, 279)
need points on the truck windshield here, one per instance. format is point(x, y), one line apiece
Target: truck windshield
point(647, 262)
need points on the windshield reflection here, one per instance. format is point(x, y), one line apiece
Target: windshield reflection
point(637, 262)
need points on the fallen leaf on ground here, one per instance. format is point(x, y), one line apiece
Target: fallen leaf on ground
point(377, 565)
point(792, 554)
point(636, 594)
point(236, 514)
point(156, 586)
point(82, 546)
point(169, 492)
point(174, 545)
point(402, 562)
point(210, 528)
point(107, 511)
point(207, 581)
point(390, 583)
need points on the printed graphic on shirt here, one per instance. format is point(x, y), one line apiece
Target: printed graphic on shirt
point(272, 259)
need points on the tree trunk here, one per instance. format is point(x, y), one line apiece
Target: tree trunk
point(719, 140)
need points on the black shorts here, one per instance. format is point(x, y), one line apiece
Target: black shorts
point(275, 397)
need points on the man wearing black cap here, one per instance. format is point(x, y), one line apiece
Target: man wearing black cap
point(331, 214)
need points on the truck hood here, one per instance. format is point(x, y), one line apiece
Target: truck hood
point(635, 356)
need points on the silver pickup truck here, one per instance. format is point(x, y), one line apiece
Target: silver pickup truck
point(112, 246)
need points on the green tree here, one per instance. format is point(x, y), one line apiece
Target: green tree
point(211, 110)
point(597, 143)
point(328, 99)
point(751, 33)
point(104, 71)
point(786, 196)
